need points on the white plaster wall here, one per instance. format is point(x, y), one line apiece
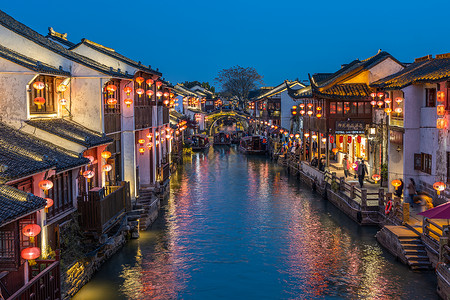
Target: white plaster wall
point(383, 69)
point(129, 161)
point(286, 104)
point(143, 160)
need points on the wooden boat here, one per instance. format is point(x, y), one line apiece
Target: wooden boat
point(236, 136)
point(222, 138)
point(255, 144)
point(199, 142)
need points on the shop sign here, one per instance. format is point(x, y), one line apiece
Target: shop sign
point(396, 137)
point(350, 127)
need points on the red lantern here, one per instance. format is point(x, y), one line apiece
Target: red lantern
point(106, 168)
point(324, 140)
point(440, 96)
point(358, 139)
point(349, 139)
point(39, 101)
point(396, 183)
point(106, 154)
point(439, 187)
point(88, 174)
point(111, 88)
point(49, 203)
point(380, 95)
point(399, 100)
point(294, 107)
point(335, 150)
point(380, 103)
point(90, 157)
point(376, 177)
point(39, 85)
point(141, 150)
point(128, 102)
point(159, 94)
point(341, 139)
point(31, 231)
point(294, 112)
point(388, 100)
point(302, 112)
point(373, 103)
point(45, 185)
point(440, 110)
point(111, 102)
point(166, 94)
point(140, 91)
point(441, 123)
point(30, 253)
point(319, 116)
point(331, 139)
point(373, 95)
point(128, 90)
point(388, 110)
point(149, 93)
point(139, 80)
point(166, 102)
point(141, 142)
point(158, 84)
point(302, 105)
point(149, 82)
point(309, 113)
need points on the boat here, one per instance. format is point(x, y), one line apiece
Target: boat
point(236, 136)
point(199, 142)
point(222, 138)
point(255, 144)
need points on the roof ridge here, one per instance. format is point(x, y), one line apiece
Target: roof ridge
point(97, 44)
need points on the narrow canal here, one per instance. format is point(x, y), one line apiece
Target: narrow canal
point(238, 227)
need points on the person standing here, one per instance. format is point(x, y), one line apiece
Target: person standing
point(411, 191)
point(362, 171)
point(345, 165)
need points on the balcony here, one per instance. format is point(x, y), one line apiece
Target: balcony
point(102, 208)
point(396, 121)
point(45, 285)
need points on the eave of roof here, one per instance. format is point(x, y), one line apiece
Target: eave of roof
point(280, 88)
point(12, 24)
point(71, 131)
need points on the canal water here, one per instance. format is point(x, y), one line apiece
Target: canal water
point(239, 227)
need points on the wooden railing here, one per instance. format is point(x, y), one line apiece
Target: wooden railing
point(103, 207)
point(46, 285)
point(432, 230)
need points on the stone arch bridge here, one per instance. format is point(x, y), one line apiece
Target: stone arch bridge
point(213, 117)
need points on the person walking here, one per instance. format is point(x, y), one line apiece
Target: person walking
point(345, 164)
point(362, 171)
point(411, 191)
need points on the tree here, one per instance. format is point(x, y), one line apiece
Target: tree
point(238, 82)
point(206, 85)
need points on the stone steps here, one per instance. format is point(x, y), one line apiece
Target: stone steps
point(415, 253)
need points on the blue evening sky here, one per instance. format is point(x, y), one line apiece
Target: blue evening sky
point(193, 40)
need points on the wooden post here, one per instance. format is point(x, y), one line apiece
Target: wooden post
point(342, 182)
point(363, 198)
point(381, 197)
point(442, 242)
point(352, 191)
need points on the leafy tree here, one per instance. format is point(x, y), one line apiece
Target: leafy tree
point(238, 82)
point(206, 85)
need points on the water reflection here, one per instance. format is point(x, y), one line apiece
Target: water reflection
point(238, 227)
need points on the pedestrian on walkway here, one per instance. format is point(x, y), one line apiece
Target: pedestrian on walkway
point(399, 191)
point(362, 171)
point(411, 191)
point(346, 165)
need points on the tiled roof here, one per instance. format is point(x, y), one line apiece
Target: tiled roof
point(112, 53)
point(182, 90)
point(319, 77)
point(30, 63)
point(346, 91)
point(59, 38)
point(305, 92)
point(71, 131)
point(280, 88)
point(22, 155)
point(427, 71)
point(25, 31)
point(15, 204)
point(252, 95)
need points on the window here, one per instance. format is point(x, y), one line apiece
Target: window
point(9, 247)
point(368, 108)
point(332, 108)
point(418, 161)
point(361, 108)
point(61, 193)
point(48, 93)
point(339, 108)
point(354, 108)
point(423, 162)
point(346, 107)
point(430, 97)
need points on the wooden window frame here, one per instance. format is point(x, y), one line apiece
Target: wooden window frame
point(430, 97)
point(48, 93)
point(61, 193)
point(418, 161)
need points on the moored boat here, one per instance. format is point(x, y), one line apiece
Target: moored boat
point(222, 138)
point(255, 144)
point(199, 142)
point(236, 136)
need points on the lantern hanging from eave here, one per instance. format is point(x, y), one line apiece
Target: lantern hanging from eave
point(440, 96)
point(106, 168)
point(341, 139)
point(111, 88)
point(166, 94)
point(149, 93)
point(159, 84)
point(48, 204)
point(373, 103)
point(440, 110)
point(335, 150)
point(349, 139)
point(380, 103)
point(399, 100)
point(39, 101)
point(358, 139)
point(398, 110)
point(310, 105)
point(111, 102)
point(30, 253)
point(140, 91)
point(45, 185)
point(31, 230)
point(309, 113)
point(441, 123)
point(331, 139)
point(90, 157)
point(302, 112)
point(318, 116)
point(141, 150)
point(376, 177)
point(128, 90)
point(106, 154)
point(324, 140)
point(63, 102)
point(166, 102)
point(388, 110)
point(88, 174)
point(39, 85)
point(373, 95)
point(380, 95)
point(61, 88)
point(139, 80)
point(318, 108)
point(294, 112)
point(396, 183)
point(159, 94)
point(150, 136)
point(302, 105)
point(294, 107)
point(141, 142)
point(149, 82)
point(128, 102)
point(439, 187)
point(388, 101)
